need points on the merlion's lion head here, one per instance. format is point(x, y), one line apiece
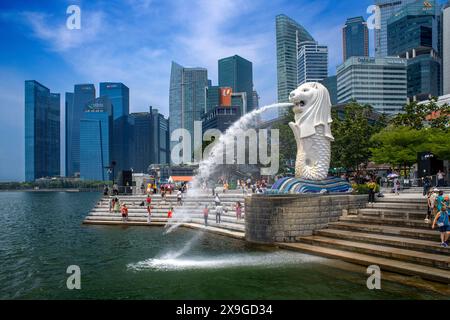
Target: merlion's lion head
point(312, 107)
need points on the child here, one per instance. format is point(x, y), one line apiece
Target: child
point(148, 202)
point(169, 214)
point(238, 210)
point(124, 213)
point(116, 205)
point(443, 224)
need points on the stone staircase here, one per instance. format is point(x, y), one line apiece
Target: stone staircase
point(390, 233)
point(189, 214)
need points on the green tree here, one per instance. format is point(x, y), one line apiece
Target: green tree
point(352, 132)
point(399, 146)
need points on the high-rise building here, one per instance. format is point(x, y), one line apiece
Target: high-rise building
point(446, 49)
point(289, 34)
point(312, 62)
point(331, 84)
point(42, 132)
point(96, 134)
point(187, 98)
point(149, 140)
point(119, 95)
point(387, 8)
point(75, 104)
point(355, 38)
point(255, 99)
point(237, 73)
point(413, 34)
point(379, 82)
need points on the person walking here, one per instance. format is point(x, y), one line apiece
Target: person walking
point(442, 222)
point(219, 211)
point(149, 214)
point(396, 186)
point(426, 186)
point(430, 206)
point(205, 214)
point(105, 190)
point(148, 203)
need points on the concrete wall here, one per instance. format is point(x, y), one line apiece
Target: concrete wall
point(283, 218)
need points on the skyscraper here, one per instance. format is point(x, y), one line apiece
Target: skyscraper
point(96, 126)
point(237, 73)
point(119, 95)
point(413, 34)
point(379, 82)
point(446, 49)
point(75, 104)
point(312, 62)
point(387, 9)
point(148, 140)
point(42, 131)
point(187, 98)
point(289, 34)
point(331, 84)
point(355, 38)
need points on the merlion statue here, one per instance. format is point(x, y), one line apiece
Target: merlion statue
point(312, 131)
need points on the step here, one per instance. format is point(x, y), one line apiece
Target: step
point(429, 259)
point(227, 216)
point(406, 268)
point(420, 224)
point(398, 206)
point(415, 200)
point(414, 233)
point(398, 242)
point(390, 213)
point(220, 231)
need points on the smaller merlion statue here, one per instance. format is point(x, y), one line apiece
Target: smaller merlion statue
point(312, 131)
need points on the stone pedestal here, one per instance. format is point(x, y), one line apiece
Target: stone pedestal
point(284, 218)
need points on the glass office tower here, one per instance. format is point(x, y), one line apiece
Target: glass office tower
point(237, 73)
point(312, 62)
point(355, 38)
point(289, 34)
point(42, 131)
point(413, 34)
point(119, 95)
point(75, 104)
point(96, 126)
point(187, 98)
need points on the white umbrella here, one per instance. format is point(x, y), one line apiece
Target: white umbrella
point(392, 175)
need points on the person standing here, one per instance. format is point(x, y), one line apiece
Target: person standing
point(149, 214)
point(170, 213)
point(443, 224)
point(148, 203)
point(372, 186)
point(219, 211)
point(116, 205)
point(440, 179)
point(179, 198)
point(238, 211)
point(142, 188)
point(426, 186)
point(205, 214)
point(217, 200)
point(124, 213)
point(430, 206)
point(396, 186)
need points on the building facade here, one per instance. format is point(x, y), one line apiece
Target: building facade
point(96, 135)
point(187, 98)
point(379, 82)
point(42, 132)
point(355, 38)
point(221, 118)
point(331, 84)
point(289, 34)
point(119, 95)
point(149, 140)
point(75, 104)
point(446, 49)
point(237, 73)
point(413, 34)
point(387, 8)
point(312, 62)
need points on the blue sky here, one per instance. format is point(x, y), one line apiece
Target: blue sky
point(134, 42)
